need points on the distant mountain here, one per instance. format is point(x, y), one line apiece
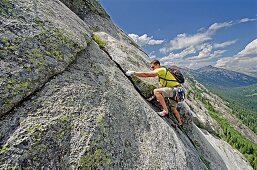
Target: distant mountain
point(219, 77)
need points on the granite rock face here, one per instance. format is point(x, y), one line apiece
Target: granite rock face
point(67, 104)
point(34, 46)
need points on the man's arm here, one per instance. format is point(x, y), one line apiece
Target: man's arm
point(145, 74)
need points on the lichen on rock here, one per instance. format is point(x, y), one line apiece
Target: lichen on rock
point(66, 102)
point(29, 60)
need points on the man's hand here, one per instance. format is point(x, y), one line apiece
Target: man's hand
point(130, 73)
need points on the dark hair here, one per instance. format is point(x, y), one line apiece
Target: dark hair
point(155, 62)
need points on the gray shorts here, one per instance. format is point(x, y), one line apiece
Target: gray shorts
point(169, 92)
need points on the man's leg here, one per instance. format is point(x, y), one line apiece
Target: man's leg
point(160, 98)
point(177, 115)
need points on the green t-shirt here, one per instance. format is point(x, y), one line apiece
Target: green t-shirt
point(161, 73)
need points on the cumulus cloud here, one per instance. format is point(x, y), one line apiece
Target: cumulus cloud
point(245, 60)
point(145, 40)
point(246, 20)
point(151, 55)
point(216, 26)
point(240, 65)
point(184, 41)
point(197, 50)
point(180, 55)
point(223, 62)
point(249, 51)
point(224, 44)
point(189, 64)
point(205, 51)
point(206, 54)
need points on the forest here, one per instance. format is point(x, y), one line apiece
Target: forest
point(243, 102)
point(248, 115)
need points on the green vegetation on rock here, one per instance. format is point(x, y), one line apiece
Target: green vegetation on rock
point(95, 7)
point(49, 51)
point(94, 159)
point(4, 148)
point(228, 132)
point(96, 156)
point(88, 6)
point(145, 89)
point(206, 162)
point(235, 138)
point(7, 8)
point(102, 43)
point(243, 102)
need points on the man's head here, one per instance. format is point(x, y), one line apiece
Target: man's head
point(155, 64)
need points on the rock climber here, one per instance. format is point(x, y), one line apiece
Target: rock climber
point(165, 89)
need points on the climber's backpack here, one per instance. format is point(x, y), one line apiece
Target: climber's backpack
point(176, 73)
point(174, 70)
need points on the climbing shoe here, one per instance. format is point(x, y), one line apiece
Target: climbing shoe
point(163, 113)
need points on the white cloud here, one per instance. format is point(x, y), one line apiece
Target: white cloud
point(245, 65)
point(217, 53)
point(245, 60)
point(223, 62)
point(151, 55)
point(249, 50)
point(201, 29)
point(224, 44)
point(180, 55)
point(189, 64)
point(145, 40)
point(206, 51)
point(197, 50)
point(216, 26)
point(246, 20)
point(206, 55)
point(184, 41)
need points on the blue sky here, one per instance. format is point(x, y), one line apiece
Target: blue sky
point(191, 33)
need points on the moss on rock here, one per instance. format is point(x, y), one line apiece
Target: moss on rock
point(101, 42)
point(94, 159)
point(7, 8)
point(145, 89)
point(45, 54)
point(86, 6)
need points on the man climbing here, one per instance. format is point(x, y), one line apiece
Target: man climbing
point(166, 88)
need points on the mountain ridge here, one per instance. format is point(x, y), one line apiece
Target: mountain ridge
point(82, 112)
point(220, 77)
